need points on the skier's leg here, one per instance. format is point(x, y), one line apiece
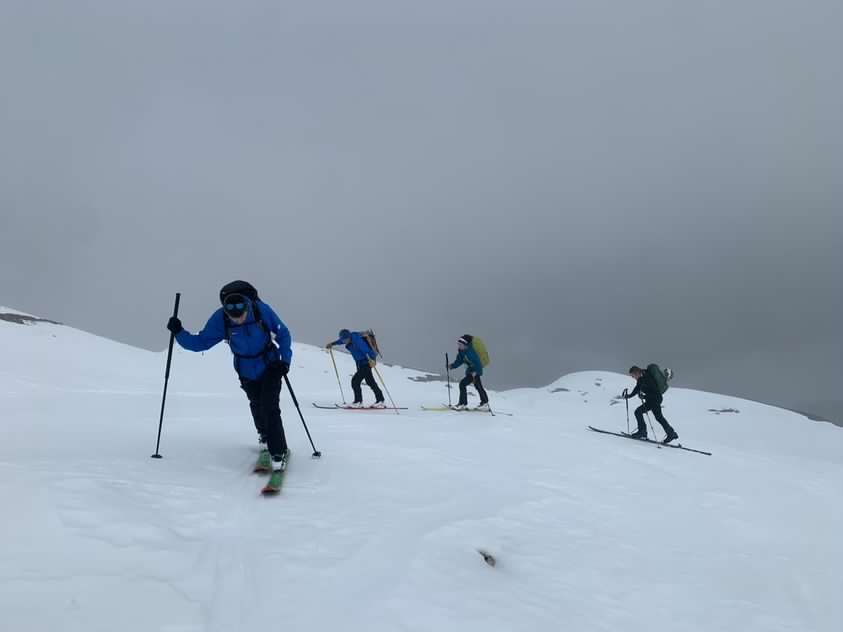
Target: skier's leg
point(372, 384)
point(252, 390)
point(355, 384)
point(271, 382)
point(657, 413)
point(639, 417)
point(468, 379)
point(484, 398)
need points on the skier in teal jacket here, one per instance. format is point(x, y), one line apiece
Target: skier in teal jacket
point(473, 371)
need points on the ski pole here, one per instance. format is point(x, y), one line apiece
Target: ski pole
point(644, 401)
point(331, 350)
point(448, 373)
point(316, 453)
point(380, 377)
point(625, 393)
point(157, 455)
point(649, 421)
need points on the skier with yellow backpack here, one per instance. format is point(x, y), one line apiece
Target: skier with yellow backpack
point(471, 352)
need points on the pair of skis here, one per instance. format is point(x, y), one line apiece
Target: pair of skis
point(350, 407)
point(446, 408)
point(659, 444)
point(442, 408)
point(276, 477)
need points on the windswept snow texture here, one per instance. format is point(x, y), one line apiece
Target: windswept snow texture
point(588, 531)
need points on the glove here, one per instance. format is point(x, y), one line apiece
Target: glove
point(283, 368)
point(174, 325)
point(329, 345)
point(372, 363)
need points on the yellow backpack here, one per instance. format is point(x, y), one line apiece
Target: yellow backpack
point(480, 349)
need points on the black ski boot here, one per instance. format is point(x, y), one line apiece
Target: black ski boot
point(671, 436)
point(638, 434)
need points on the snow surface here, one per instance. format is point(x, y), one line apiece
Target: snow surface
point(590, 531)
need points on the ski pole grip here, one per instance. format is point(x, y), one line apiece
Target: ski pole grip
point(172, 336)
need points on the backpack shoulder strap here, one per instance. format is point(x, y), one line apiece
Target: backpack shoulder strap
point(256, 310)
point(226, 327)
point(258, 319)
point(270, 344)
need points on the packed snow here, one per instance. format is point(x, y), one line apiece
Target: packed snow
point(588, 531)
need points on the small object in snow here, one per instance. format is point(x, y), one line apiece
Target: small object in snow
point(487, 557)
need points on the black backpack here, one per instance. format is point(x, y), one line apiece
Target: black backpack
point(248, 290)
point(660, 377)
point(238, 287)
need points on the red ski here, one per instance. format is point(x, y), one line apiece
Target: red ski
point(350, 407)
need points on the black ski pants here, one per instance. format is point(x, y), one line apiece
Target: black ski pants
point(263, 394)
point(364, 372)
point(654, 405)
point(472, 378)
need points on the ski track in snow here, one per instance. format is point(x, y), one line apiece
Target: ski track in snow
point(590, 532)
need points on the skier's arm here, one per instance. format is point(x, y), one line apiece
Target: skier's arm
point(211, 334)
point(280, 333)
point(474, 361)
point(458, 361)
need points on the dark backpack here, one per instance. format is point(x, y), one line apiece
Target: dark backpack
point(659, 377)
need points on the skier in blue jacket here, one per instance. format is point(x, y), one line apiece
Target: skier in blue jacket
point(473, 370)
point(261, 345)
point(365, 358)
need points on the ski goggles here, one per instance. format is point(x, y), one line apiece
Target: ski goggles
point(235, 304)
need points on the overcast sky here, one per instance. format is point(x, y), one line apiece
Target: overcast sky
point(584, 184)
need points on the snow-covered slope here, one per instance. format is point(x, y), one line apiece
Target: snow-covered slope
point(590, 532)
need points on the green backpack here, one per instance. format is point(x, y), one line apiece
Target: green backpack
point(481, 351)
point(660, 377)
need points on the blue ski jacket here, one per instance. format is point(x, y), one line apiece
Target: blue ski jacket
point(358, 348)
point(252, 347)
point(469, 357)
